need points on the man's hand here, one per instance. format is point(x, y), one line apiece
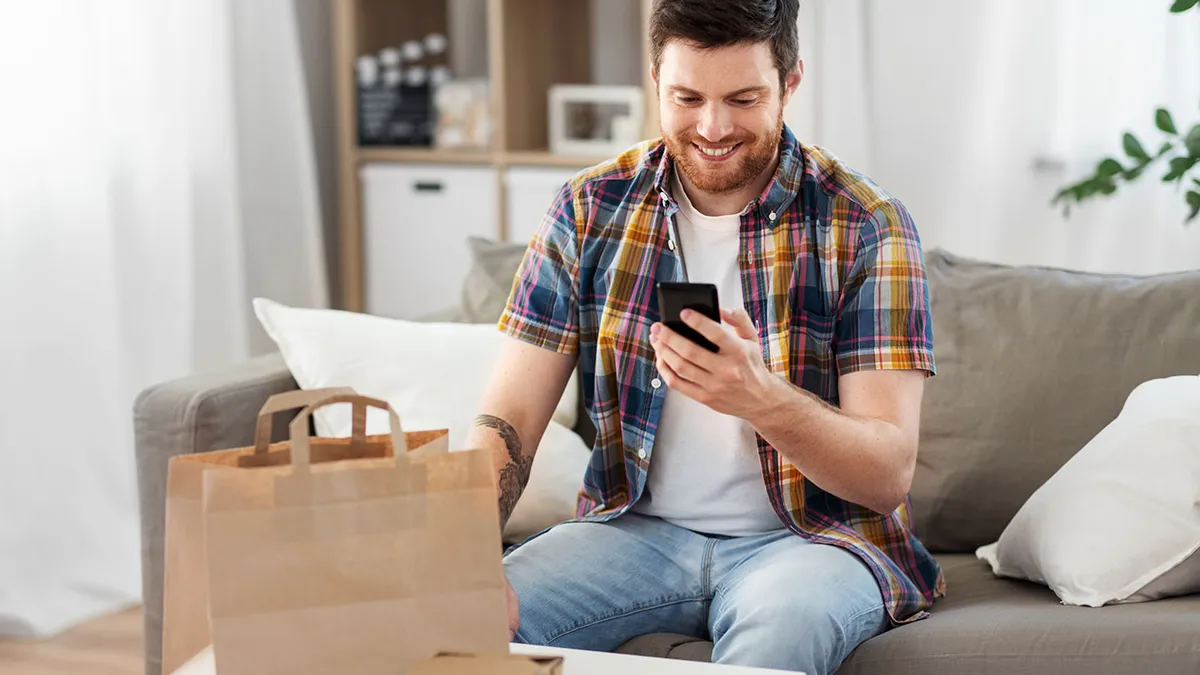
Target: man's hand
point(514, 611)
point(733, 381)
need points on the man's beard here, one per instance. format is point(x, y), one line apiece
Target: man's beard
point(755, 155)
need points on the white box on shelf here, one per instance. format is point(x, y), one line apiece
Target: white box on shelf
point(416, 220)
point(529, 191)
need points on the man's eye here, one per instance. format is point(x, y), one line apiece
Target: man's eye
point(687, 99)
point(743, 101)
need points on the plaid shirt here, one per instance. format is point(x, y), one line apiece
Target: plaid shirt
point(830, 264)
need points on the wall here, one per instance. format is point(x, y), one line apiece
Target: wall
point(616, 41)
point(313, 19)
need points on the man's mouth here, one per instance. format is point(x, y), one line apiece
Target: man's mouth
point(717, 153)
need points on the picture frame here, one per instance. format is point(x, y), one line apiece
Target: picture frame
point(594, 120)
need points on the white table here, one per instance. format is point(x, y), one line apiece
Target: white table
point(575, 662)
point(579, 662)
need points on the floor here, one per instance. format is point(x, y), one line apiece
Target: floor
point(108, 646)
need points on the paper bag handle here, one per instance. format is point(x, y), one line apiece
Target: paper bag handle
point(301, 455)
point(288, 400)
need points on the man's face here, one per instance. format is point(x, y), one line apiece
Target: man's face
point(721, 112)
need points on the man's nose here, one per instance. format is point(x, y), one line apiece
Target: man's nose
point(715, 124)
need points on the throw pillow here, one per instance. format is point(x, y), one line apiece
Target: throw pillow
point(1117, 520)
point(433, 374)
point(489, 281)
point(1032, 363)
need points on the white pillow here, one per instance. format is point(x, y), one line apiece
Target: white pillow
point(433, 375)
point(1123, 513)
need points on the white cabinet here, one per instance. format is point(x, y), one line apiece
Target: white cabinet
point(416, 220)
point(528, 193)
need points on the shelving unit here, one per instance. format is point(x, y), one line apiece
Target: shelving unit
point(401, 154)
point(545, 158)
point(522, 47)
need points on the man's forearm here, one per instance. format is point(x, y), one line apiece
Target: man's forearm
point(862, 460)
point(510, 458)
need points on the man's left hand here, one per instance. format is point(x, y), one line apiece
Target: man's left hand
point(733, 381)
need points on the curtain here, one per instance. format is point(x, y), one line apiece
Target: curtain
point(975, 114)
point(156, 172)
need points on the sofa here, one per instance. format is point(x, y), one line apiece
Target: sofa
point(1032, 363)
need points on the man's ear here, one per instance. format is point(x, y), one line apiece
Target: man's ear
point(792, 82)
point(654, 76)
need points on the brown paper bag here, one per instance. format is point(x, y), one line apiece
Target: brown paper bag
point(185, 578)
point(359, 566)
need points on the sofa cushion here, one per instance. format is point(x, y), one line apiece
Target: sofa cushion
point(990, 626)
point(1032, 363)
point(489, 281)
point(987, 625)
point(1122, 513)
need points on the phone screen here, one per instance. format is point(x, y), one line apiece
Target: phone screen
point(674, 297)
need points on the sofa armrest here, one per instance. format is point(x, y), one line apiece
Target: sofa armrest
point(194, 414)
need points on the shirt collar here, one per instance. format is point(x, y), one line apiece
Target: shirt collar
point(776, 197)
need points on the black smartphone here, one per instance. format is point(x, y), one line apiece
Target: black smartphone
point(674, 297)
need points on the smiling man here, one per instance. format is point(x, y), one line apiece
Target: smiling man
point(756, 496)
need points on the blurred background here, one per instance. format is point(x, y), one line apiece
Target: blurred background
point(163, 162)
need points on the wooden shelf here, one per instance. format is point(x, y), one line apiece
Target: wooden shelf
point(547, 158)
point(521, 47)
point(479, 157)
point(431, 155)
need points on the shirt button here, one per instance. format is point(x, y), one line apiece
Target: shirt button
point(641, 453)
point(656, 383)
point(771, 216)
point(671, 244)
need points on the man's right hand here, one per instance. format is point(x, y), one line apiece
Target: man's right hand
point(514, 611)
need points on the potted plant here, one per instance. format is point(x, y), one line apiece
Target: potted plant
point(1180, 149)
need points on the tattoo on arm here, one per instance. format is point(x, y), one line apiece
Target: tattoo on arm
point(515, 473)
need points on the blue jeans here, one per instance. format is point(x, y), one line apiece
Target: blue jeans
point(772, 600)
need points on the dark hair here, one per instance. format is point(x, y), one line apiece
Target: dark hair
point(718, 23)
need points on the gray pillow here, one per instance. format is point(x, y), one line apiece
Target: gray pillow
point(1182, 579)
point(489, 281)
point(485, 295)
point(1032, 363)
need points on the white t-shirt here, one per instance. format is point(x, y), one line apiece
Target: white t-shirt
point(704, 469)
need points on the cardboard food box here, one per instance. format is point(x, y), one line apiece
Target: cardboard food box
point(489, 664)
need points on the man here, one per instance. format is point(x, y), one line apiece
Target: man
point(757, 495)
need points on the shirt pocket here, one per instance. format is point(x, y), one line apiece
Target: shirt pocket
point(813, 341)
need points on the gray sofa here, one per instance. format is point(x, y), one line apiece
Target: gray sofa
point(1032, 363)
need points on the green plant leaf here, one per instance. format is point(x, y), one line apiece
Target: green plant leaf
point(1134, 148)
point(1109, 167)
point(1162, 119)
point(1183, 5)
point(1193, 200)
point(1178, 167)
point(1133, 173)
point(1065, 194)
point(1193, 141)
point(1196, 181)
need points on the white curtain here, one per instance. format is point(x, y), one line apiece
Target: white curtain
point(156, 171)
point(976, 113)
